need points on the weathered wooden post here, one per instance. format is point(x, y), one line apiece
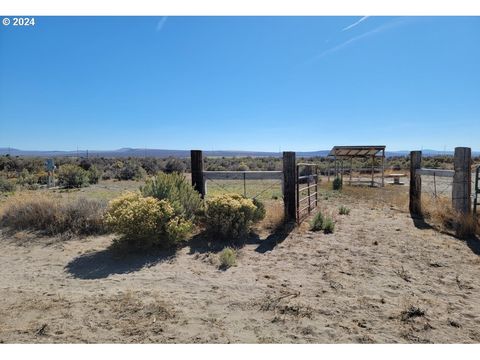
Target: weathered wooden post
point(462, 180)
point(196, 157)
point(289, 180)
point(415, 183)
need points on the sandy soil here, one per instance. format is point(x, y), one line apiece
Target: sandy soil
point(381, 278)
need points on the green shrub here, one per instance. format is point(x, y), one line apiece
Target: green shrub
point(42, 177)
point(94, 174)
point(317, 222)
point(26, 179)
point(174, 166)
point(174, 187)
point(260, 211)
point(328, 226)
point(230, 216)
point(337, 183)
point(145, 222)
point(242, 167)
point(343, 210)
point(72, 176)
point(227, 258)
point(6, 185)
point(53, 216)
point(322, 222)
point(130, 170)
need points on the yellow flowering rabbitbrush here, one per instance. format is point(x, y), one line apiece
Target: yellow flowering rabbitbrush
point(145, 222)
point(230, 216)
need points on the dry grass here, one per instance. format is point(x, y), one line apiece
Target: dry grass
point(437, 211)
point(396, 196)
point(440, 214)
point(274, 217)
point(53, 215)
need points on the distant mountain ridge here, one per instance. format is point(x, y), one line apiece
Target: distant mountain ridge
point(164, 153)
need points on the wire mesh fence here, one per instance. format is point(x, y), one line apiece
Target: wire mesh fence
point(436, 186)
point(258, 189)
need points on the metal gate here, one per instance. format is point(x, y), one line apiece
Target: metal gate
point(307, 190)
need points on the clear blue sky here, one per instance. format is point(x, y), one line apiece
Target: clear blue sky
point(240, 83)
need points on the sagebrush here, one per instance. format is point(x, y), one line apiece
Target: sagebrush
point(174, 187)
point(343, 210)
point(129, 170)
point(317, 222)
point(227, 258)
point(6, 185)
point(322, 222)
point(72, 176)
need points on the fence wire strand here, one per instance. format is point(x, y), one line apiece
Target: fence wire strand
point(436, 186)
point(228, 189)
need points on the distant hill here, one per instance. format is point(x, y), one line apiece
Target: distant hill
point(162, 153)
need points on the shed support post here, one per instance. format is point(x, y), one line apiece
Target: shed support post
point(289, 185)
point(351, 169)
point(462, 180)
point(373, 169)
point(336, 167)
point(341, 171)
point(196, 158)
point(383, 168)
point(415, 183)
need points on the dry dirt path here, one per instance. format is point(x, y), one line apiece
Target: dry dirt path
point(378, 278)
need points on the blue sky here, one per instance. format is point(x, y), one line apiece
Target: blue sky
point(240, 83)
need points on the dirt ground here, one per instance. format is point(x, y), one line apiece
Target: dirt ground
point(381, 277)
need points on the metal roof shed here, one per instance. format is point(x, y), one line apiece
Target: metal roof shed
point(359, 151)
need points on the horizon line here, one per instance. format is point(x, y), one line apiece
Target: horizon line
point(11, 148)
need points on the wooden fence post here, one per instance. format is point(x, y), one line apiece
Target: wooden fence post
point(196, 157)
point(462, 180)
point(289, 184)
point(415, 183)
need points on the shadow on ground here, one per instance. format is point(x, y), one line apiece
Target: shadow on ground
point(202, 243)
point(101, 264)
point(419, 222)
point(275, 238)
point(473, 242)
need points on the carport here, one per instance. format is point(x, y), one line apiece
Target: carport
point(373, 152)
